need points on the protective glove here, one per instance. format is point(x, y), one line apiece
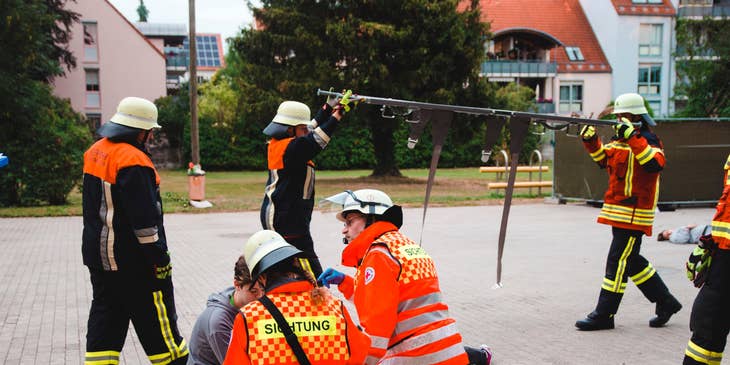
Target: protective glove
point(345, 104)
point(624, 129)
point(587, 133)
point(163, 267)
point(163, 272)
point(330, 276)
point(332, 101)
point(700, 260)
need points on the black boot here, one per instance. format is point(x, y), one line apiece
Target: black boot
point(595, 321)
point(664, 310)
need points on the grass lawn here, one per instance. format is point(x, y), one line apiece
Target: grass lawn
point(243, 191)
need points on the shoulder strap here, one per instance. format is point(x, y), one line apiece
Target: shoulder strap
point(290, 337)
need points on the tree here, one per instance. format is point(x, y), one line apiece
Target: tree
point(409, 49)
point(42, 135)
point(702, 68)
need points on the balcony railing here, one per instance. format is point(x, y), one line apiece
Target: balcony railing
point(716, 11)
point(519, 68)
point(544, 108)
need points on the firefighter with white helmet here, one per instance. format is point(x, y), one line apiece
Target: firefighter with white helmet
point(124, 243)
point(324, 332)
point(289, 193)
point(395, 288)
point(633, 159)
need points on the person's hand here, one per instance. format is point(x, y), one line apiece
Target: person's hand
point(587, 133)
point(163, 272)
point(699, 261)
point(332, 101)
point(330, 276)
point(624, 129)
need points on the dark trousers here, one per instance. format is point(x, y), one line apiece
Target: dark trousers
point(305, 243)
point(710, 319)
point(148, 302)
point(623, 262)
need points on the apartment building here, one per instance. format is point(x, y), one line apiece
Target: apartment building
point(548, 45)
point(114, 60)
point(638, 38)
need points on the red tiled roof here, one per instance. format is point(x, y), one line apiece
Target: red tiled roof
point(627, 7)
point(562, 19)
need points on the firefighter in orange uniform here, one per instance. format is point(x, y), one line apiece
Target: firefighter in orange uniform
point(124, 243)
point(289, 194)
point(710, 319)
point(395, 288)
point(321, 325)
point(633, 160)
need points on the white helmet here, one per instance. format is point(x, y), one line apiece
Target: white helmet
point(265, 249)
point(631, 103)
point(289, 114)
point(133, 114)
point(366, 201)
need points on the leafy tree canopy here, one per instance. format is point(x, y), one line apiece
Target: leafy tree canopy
point(407, 49)
point(704, 67)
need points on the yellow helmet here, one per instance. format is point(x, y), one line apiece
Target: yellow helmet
point(265, 249)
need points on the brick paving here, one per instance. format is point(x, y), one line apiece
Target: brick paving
point(553, 266)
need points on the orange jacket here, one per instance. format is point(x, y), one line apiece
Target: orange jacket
point(398, 300)
point(633, 168)
point(721, 221)
point(326, 332)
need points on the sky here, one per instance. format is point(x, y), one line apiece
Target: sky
point(211, 16)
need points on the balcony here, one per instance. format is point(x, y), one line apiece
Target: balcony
point(500, 68)
point(544, 107)
point(716, 11)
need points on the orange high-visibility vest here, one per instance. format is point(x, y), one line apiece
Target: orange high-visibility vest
point(326, 332)
point(398, 299)
point(631, 197)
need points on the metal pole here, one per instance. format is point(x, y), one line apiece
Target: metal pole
point(192, 68)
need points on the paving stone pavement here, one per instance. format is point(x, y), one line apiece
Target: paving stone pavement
point(553, 266)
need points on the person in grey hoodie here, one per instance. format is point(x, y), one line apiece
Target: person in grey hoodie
point(212, 331)
point(684, 234)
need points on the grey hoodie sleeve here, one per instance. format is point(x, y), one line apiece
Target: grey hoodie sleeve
point(220, 336)
point(680, 235)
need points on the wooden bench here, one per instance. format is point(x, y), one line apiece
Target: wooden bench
point(519, 169)
point(521, 184)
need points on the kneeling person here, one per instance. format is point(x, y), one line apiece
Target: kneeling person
point(324, 332)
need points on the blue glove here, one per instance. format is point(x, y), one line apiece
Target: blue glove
point(330, 276)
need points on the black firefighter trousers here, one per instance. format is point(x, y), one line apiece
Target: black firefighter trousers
point(624, 261)
point(145, 300)
point(710, 319)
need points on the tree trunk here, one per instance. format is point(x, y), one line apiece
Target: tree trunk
point(382, 132)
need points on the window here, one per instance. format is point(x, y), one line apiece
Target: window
point(91, 51)
point(92, 89)
point(574, 54)
point(650, 80)
point(650, 40)
point(94, 120)
point(571, 98)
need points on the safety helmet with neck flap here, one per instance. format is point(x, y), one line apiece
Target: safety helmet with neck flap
point(265, 249)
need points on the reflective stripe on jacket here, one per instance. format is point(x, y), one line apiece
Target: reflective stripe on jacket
point(326, 332)
point(398, 299)
point(122, 208)
point(721, 221)
point(289, 193)
point(633, 179)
